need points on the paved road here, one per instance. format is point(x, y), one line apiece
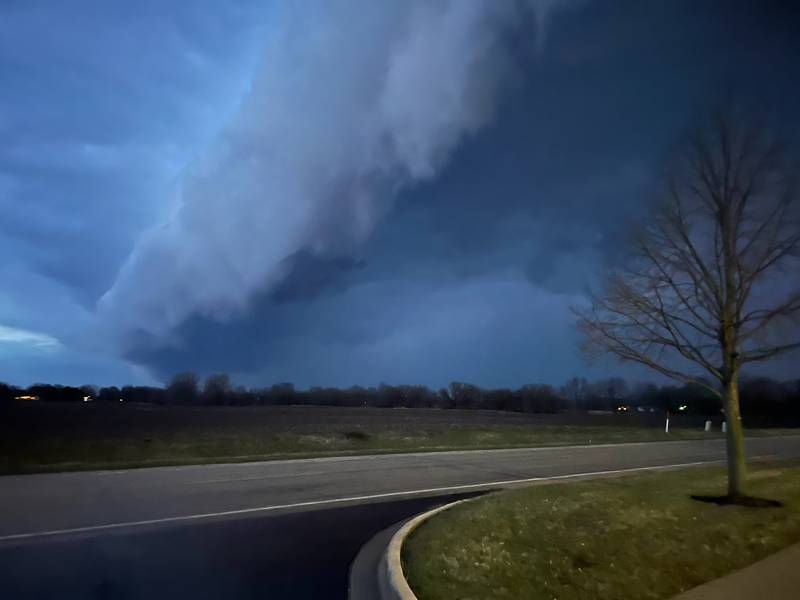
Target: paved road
point(277, 529)
point(301, 555)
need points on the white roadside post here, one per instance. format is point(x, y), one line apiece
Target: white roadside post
point(708, 426)
point(666, 427)
point(724, 426)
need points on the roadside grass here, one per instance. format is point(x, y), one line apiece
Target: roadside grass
point(632, 537)
point(69, 452)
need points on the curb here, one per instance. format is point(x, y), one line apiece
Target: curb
point(363, 580)
point(392, 583)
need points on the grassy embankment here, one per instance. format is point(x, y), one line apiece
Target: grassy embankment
point(631, 537)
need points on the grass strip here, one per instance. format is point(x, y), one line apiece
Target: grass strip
point(630, 537)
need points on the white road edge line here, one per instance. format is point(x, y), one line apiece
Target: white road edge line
point(259, 509)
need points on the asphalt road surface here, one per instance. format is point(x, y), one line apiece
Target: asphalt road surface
point(283, 529)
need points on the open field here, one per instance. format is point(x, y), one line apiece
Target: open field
point(52, 437)
point(624, 538)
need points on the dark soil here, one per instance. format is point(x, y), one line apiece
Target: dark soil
point(749, 501)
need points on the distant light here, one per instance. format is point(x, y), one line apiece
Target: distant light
point(87, 398)
point(682, 407)
point(121, 400)
point(26, 397)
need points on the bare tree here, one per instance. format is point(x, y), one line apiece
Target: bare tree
point(575, 391)
point(710, 286)
point(217, 389)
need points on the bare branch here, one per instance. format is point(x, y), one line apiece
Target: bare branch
point(604, 337)
point(685, 297)
point(760, 354)
point(763, 318)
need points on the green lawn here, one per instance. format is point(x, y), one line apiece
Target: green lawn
point(630, 537)
point(97, 449)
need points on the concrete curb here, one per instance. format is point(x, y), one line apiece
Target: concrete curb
point(392, 582)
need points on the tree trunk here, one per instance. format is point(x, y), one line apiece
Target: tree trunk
point(734, 438)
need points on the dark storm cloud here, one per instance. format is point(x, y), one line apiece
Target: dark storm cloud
point(101, 109)
point(339, 227)
point(309, 275)
point(450, 286)
point(327, 135)
point(470, 275)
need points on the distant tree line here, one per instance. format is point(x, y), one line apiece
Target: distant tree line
point(217, 390)
point(760, 396)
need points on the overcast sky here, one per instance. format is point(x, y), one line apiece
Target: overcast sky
point(338, 193)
